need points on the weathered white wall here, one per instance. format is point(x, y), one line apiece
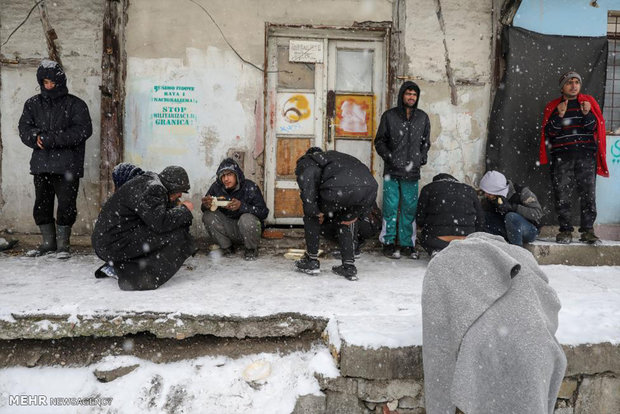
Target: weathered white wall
point(78, 25)
point(176, 43)
point(458, 131)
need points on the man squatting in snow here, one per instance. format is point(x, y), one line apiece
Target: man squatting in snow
point(511, 211)
point(447, 210)
point(573, 131)
point(142, 232)
point(56, 125)
point(338, 186)
point(241, 220)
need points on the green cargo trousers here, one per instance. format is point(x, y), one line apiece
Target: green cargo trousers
point(404, 192)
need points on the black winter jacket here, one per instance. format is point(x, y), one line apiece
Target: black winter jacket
point(403, 143)
point(334, 180)
point(522, 201)
point(447, 207)
point(138, 211)
point(63, 122)
point(246, 191)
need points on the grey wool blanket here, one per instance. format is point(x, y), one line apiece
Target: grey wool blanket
point(489, 323)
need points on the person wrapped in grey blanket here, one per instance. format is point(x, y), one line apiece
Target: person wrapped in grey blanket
point(489, 321)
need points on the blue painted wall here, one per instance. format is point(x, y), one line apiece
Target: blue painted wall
point(565, 17)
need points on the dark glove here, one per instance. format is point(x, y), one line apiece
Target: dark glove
point(504, 206)
point(423, 160)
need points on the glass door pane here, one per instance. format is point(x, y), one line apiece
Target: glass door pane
point(354, 70)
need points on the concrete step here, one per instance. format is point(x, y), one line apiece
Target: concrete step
point(545, 250)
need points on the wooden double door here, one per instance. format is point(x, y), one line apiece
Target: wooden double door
point(325, 88)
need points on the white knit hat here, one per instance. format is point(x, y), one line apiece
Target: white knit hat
point(494, 182)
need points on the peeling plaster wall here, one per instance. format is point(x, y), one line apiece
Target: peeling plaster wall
point(78, 25)
point(458, 132)
point(176, 43)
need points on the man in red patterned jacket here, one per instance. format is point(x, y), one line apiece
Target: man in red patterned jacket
point(573, 132)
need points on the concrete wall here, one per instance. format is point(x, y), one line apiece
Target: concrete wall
point(458, 131)
point(177, 44)
point(78, 25)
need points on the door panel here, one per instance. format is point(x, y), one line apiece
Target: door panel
point(288, 152)
point(287, 203)
point(293, 75)
point(361, 150)
point(354, 69)
point(355, 116)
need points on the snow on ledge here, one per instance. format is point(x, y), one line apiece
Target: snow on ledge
point(381, 309)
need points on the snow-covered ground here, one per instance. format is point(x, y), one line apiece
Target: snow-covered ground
point(201, 385)
point(381, 309)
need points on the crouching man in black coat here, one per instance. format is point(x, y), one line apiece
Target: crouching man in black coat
point(241, 219)
point(56, 125)
point(340, 187)
point(142, 231)
point(447, 210)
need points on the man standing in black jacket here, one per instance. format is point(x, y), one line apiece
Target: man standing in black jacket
point(241, 219)
point(338, 186)
point(402, 140)
point(56, 125)
point(447, 210)
point(142, 231)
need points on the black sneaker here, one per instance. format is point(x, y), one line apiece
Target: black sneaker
point(250, 254)
point(410, 252)
point(589, 237)
point(308, 265)
point(564, 237)
point(389, 250)
point(106, 271)
point(41, 250)
point(229, 251)
point(346, 270)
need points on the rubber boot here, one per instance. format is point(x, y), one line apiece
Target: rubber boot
point(62, 239)
point(48, 233)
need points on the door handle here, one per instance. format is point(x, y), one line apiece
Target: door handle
point(331, 113)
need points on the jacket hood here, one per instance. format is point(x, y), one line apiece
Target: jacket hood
point(444, 177)
point(48, 69)
point(230, 165)
point(124, 172)
point(408, 85)
point(175, 179)
point(494, 182)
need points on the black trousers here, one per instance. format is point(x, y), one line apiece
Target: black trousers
point(47, 188)
point(152, 262)
point(346, 235)
point(569, 172)
point(431, 243)
point(365, 230)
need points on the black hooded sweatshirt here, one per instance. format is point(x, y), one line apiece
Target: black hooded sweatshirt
point(447, 207)
point(403, 143)
point(63, 122)
point(140, 213)
point(246, 191)
point(333, 181)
